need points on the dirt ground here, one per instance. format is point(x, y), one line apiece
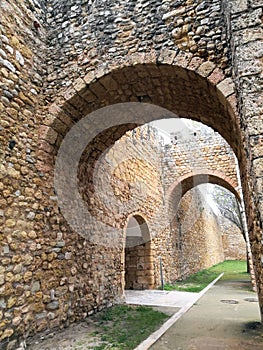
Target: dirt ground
point(225, 318)
point(81, 336)
point(76, 337)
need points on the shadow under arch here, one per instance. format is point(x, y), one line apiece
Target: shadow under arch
point(182, 91)
point(137, 231)
point(139, 269)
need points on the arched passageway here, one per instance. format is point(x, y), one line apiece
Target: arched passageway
point(169, 90)
point(139, 272)
point(107, 107)
point(52, 79)
point(209, 229)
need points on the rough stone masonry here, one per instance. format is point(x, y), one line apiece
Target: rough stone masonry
point(61, 61)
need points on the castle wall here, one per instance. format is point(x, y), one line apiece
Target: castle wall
point(233, 241)
point(199, 235)
point(82, 33)
point(63, 60)
point(198, 153)
point(245, 33)
point(22, 71)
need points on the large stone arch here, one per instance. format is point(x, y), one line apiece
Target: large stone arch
point(185, 221)
point(185, 183)
point(184, 86)
point(188, 87)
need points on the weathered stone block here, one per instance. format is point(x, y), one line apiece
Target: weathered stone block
point(206, 68)
point(226, 87)
point(238, 6)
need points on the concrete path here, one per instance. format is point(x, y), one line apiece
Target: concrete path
point(159, 298)
point(226, 317)
point(176, 303)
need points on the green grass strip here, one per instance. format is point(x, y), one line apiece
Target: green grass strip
point(233, 270)
point(124, 327)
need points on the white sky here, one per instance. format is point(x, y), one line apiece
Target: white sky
point(178, 125)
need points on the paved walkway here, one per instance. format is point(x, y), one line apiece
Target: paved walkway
point(226, 317)
point(159, 298)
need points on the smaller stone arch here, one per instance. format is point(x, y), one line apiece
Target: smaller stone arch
point(132, 236)
point(139, 269)
point(183, 184)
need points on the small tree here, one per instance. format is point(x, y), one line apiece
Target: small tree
point(228, 205)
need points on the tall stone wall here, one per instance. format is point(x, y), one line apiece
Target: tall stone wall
point(245, 34)
point(199, 235)
point(233, 241)
point(62, 60)
point(22, 71)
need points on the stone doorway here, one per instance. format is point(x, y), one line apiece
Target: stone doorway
point(139, 272)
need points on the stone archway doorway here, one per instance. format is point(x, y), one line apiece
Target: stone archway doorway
point(172, 89)
point(139, 272)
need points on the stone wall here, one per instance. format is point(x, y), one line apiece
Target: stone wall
point(199, 234)
point(22, 70)
point(125, 179)
point(233, 241)
point(199, 152)
point(83, 33)
point(245, 33)
point(62, 60)
point(139, 272)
